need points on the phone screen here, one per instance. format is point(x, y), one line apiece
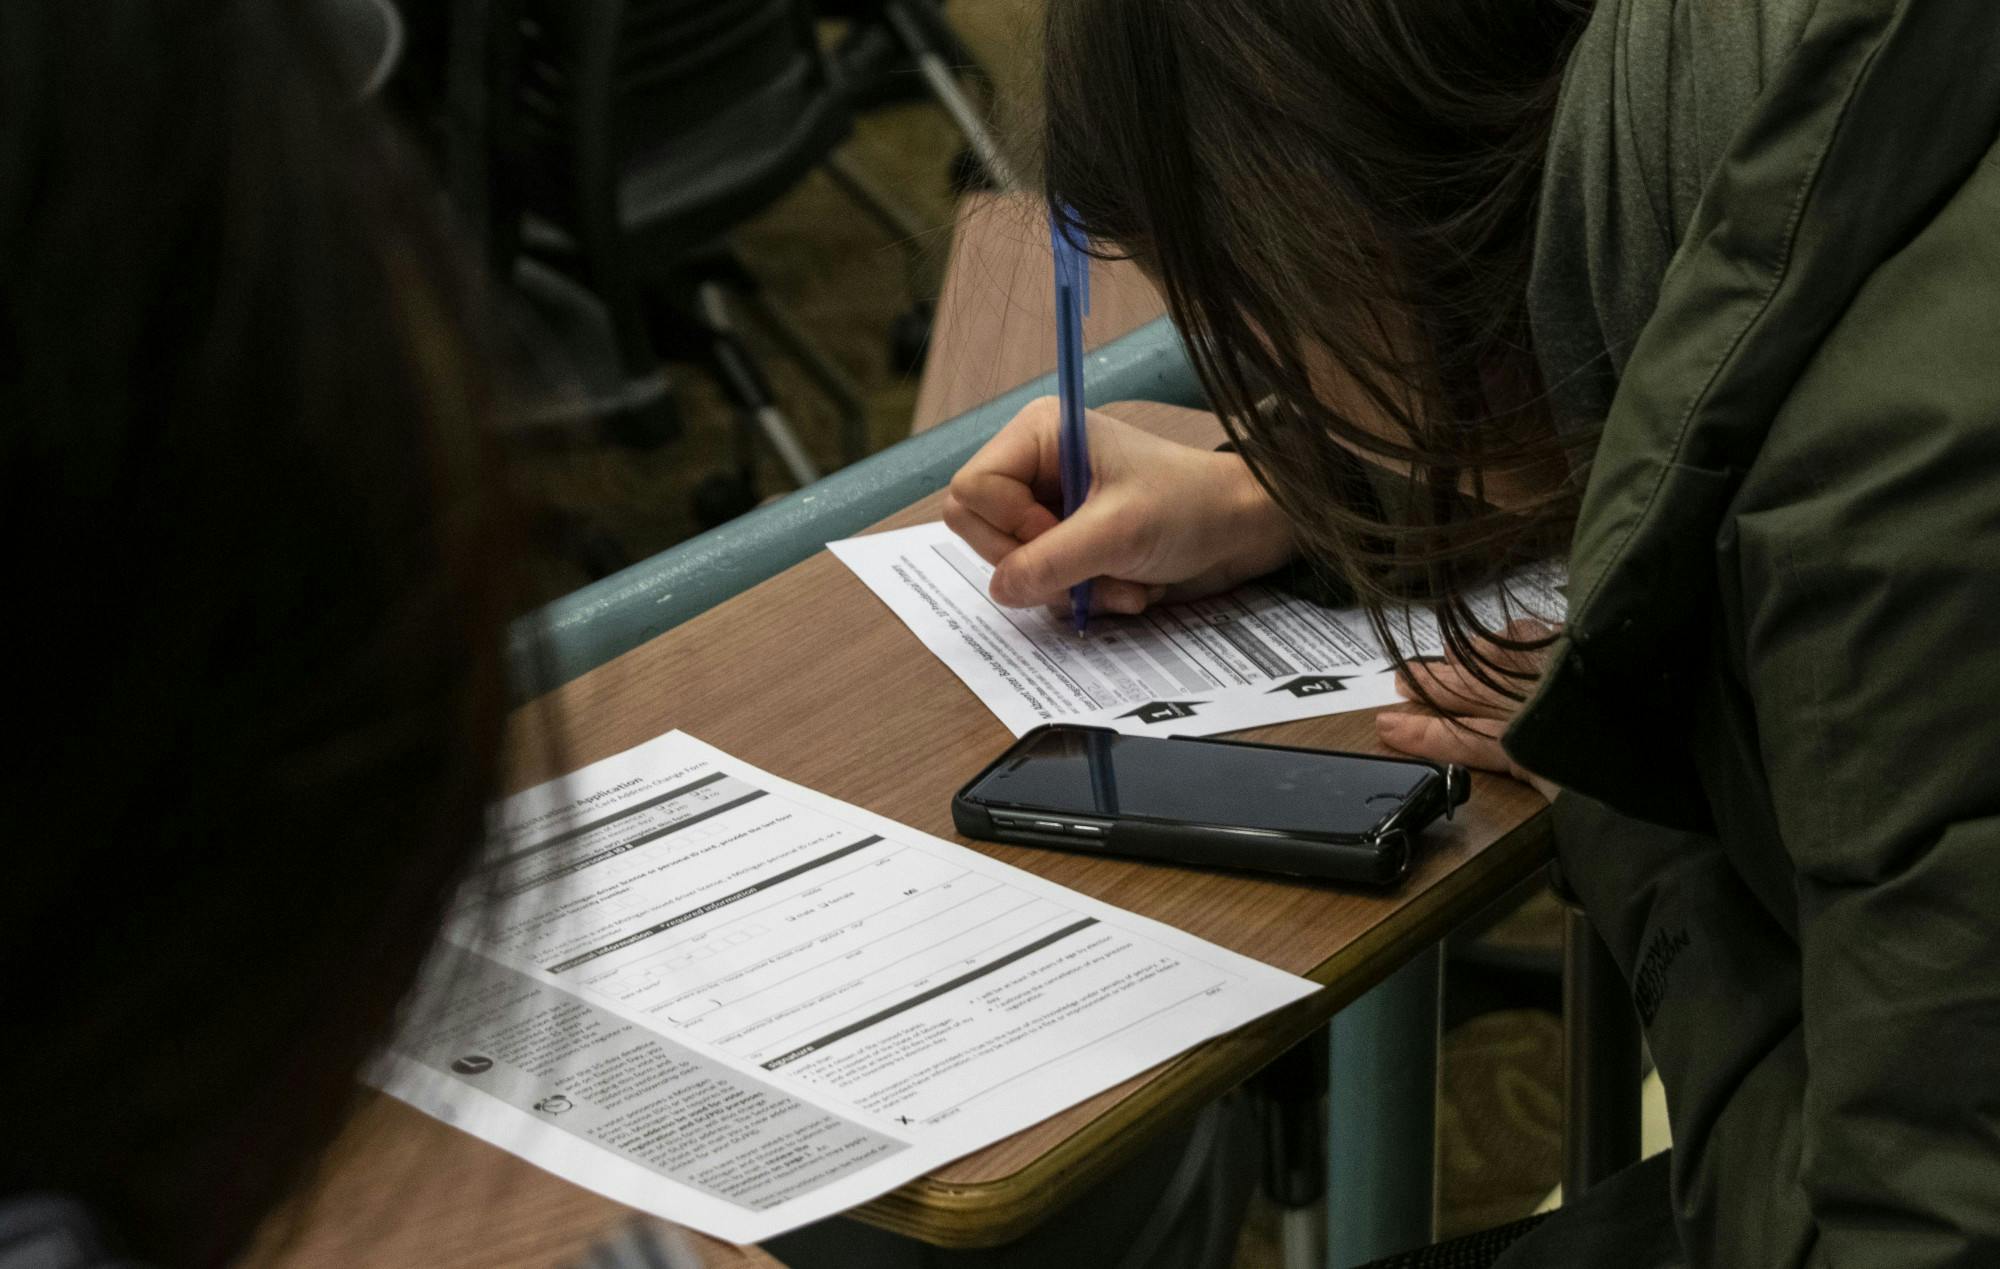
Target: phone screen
point(1078, 772)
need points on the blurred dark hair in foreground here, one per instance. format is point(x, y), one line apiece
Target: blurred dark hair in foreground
point(259, 566)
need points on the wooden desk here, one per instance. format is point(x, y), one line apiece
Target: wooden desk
point(404, 1191)
point(810, 677)
point(996, 317)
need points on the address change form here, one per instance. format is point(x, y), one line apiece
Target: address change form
point(1248, 658)
point(742, 1005)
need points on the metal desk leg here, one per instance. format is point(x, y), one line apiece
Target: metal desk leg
point(1290, 1095)
point(1382, 1117)
point(1600, 1062)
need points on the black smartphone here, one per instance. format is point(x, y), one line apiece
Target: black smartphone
point(1216, 803)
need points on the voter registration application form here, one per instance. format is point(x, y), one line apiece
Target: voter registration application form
point(1248, 658)
point(744, 1006)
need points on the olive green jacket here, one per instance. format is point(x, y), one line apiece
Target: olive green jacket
point(1784, 651)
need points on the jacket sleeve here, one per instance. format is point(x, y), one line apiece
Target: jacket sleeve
point(1868, 550)
point(1715, 981)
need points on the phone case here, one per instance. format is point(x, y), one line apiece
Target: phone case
point(1378, 858)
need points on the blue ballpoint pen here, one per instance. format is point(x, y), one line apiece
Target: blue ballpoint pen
point(1073, 442)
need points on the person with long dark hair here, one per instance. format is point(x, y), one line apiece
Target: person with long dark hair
point(258, 563)
point(1704, 297)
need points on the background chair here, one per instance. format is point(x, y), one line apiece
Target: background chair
point(604, 151)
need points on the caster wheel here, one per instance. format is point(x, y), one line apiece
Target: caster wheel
point(910, 339)
point(599, 554)
point(876, 70)
point(720, 498)
point(647, 426)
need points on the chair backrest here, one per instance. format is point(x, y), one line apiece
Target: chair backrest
point(602, 84)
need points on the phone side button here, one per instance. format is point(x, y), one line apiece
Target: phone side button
point(1087, 830)
point(1048, 826)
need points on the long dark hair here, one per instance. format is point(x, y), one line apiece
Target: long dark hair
point(1338, 199)
point(257, 564)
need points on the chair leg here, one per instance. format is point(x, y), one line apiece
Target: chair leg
point(639, 412)
point(1191, 1177)
point(1601, 1084)
point(739, 371)
point(835, 382)
point(779, 434)
point(944, 85)
point(909, 337)
point(905, 231)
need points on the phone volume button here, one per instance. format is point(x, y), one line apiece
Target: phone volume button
point(1087, 830)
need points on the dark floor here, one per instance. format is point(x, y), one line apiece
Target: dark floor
point(1499, 1124)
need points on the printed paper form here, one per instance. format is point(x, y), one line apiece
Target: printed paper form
point(1248, 658)
point(745, 1006)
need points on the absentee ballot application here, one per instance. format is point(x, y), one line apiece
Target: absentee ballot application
point(1249, 657)
point(742, 1005)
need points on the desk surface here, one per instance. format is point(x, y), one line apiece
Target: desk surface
point(404, 1191)
point(811, 677)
